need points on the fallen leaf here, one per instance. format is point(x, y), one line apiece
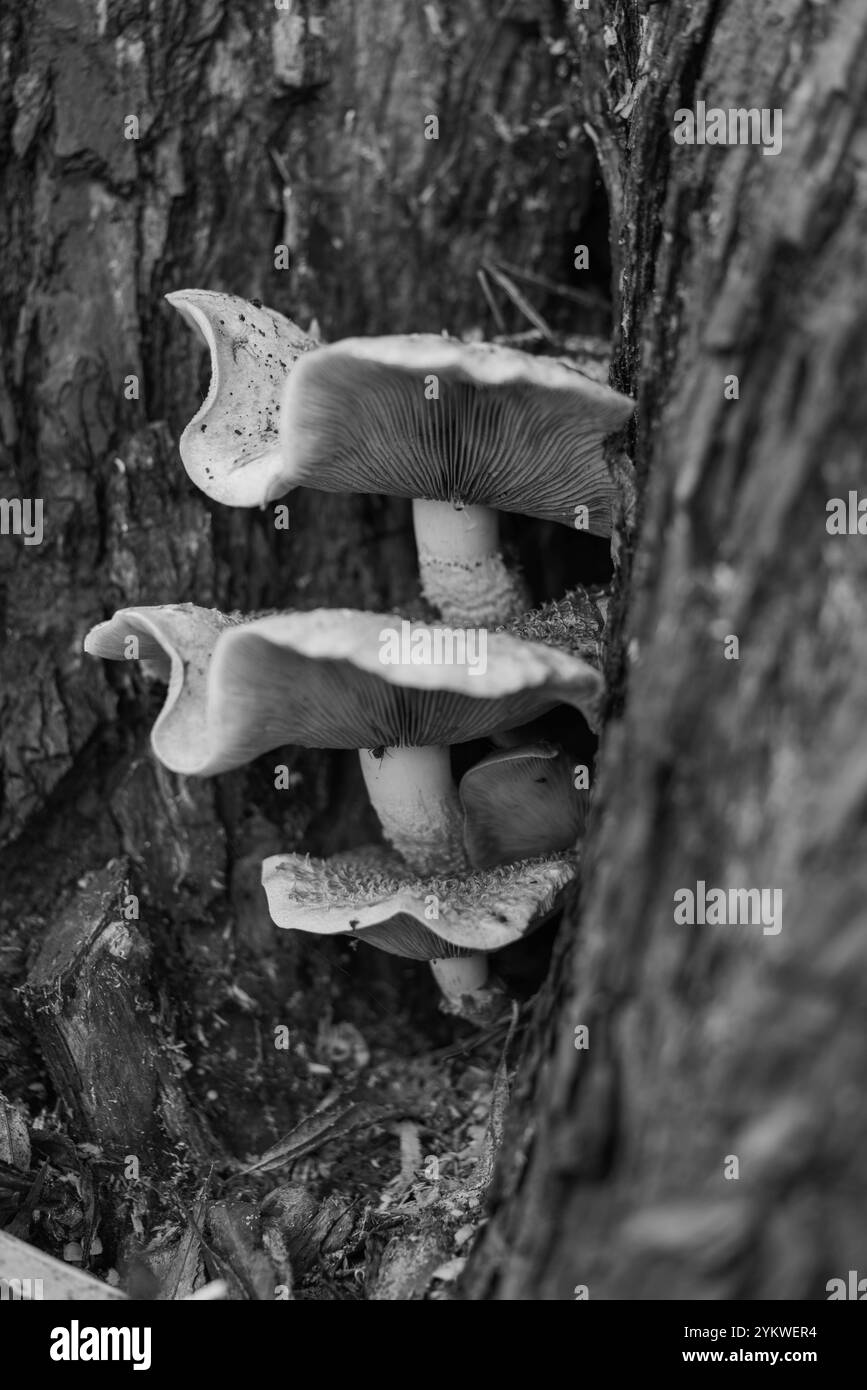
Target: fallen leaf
point(335, 1122)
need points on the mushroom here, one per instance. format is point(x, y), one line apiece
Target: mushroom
point(368, 894)
point(177, 641)
point(347, 679)
point(465, 431)
point(230, 447)
point(519, 803)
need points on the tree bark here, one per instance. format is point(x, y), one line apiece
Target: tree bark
point(714, 1043)
point(96, 1031)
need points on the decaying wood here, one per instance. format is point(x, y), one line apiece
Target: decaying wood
point(14, 1138)
point(88, 1002)
point(297, 1231)
point(234, 1230)
point(407, 1266)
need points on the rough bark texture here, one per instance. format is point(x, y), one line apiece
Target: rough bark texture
point(708, 1043)
point(258, 126)
point(88, 1000)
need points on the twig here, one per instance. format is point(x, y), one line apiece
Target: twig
point(519, 300)
point(492, 303)
point(531, 277)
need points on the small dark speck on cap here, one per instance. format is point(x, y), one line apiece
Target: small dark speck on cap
point(242, 318)
point(354, 923)
point(203, 428)
point(239, 431)
point(256, 303)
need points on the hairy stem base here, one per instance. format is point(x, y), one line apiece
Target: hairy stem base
point(462, 573)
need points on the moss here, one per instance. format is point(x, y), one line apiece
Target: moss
point(574, 624)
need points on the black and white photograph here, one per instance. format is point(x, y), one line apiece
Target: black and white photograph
point(433, 670)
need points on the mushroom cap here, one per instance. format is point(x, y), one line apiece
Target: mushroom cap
point(240, 688)
point(178, 639)
point(230, 448)
point(364, 892)
point(507, 430)
point(519, 803)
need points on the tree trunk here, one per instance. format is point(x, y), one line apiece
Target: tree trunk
point(706, 1142)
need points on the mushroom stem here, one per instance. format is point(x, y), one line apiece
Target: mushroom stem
point(412, 792)
point(462, 571)
point(460, 976)
point(416, 799)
